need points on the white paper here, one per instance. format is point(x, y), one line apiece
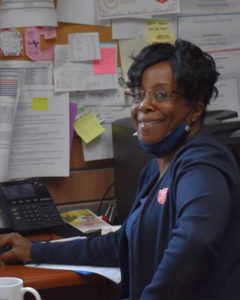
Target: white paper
point(8, 82)
point(113, 228)
point(128, 28)
point(101, 147)
point(84, 46)
point(11, 42)
point(209, 6)
point(211, 32)
point(35, 76)
point(25, 64)
point(101, 98)
point(113, 274)
point(130, 8)
point(29, 72)
point(228, 65)
point(27, 13)
point(40, 141)
point(129, 48)
point(7, 115)
point(227, 61)
point(67, 239)
point(110, 113)
point(80, 12)
point(132, 28)
point(79, 76)
point(228, 97)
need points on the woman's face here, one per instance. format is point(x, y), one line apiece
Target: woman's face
point(153, 119)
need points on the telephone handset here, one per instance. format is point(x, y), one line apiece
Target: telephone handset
point(27, 206)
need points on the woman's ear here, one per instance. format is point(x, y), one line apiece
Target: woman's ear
point(198, 111)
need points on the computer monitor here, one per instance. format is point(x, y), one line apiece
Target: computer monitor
point(129, 159)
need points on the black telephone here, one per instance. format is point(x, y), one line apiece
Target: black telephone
point(27, 206)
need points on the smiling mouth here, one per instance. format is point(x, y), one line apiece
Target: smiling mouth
point(148, 124)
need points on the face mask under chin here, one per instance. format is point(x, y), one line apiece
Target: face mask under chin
point(169, 143)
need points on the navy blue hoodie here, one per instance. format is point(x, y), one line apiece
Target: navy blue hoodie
point(185, 241)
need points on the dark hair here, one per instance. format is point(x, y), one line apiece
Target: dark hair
point(194, 71)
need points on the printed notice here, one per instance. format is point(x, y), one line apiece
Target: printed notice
point(109, 9)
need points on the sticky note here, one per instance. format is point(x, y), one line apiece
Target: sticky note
point(81, 109)
point(158, 31)
point(40, 103)
point(88, 127)
point(107, 63)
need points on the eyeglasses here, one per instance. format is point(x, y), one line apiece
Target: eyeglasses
point(137, 95)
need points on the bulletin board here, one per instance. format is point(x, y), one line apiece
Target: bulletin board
point(63, 29)
point(88, 181)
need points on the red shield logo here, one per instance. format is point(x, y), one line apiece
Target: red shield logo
point(161, 1)
point(162, 196)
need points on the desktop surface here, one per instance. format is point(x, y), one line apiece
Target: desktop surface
point(61, 284)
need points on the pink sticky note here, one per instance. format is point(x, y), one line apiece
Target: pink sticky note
point(107, 63)
point(32, 42)
point(73, 113)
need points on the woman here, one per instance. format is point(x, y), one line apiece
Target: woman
point(181, 238)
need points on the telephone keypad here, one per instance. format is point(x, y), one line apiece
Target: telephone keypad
point(35, 211)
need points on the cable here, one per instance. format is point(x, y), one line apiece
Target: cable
point(103, 198)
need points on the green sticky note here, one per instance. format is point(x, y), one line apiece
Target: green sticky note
point(88, 127)
point(81, 109)
point(39, 103)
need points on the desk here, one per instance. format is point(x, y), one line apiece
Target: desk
point(62, 285)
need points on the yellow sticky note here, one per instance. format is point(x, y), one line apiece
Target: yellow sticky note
point(88, 127)
point(39, 103)
point(158, 31)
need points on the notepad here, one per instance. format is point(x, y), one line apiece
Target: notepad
point(84, 220)
point(88, 127)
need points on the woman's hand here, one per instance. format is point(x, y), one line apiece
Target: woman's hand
point(19, 248)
